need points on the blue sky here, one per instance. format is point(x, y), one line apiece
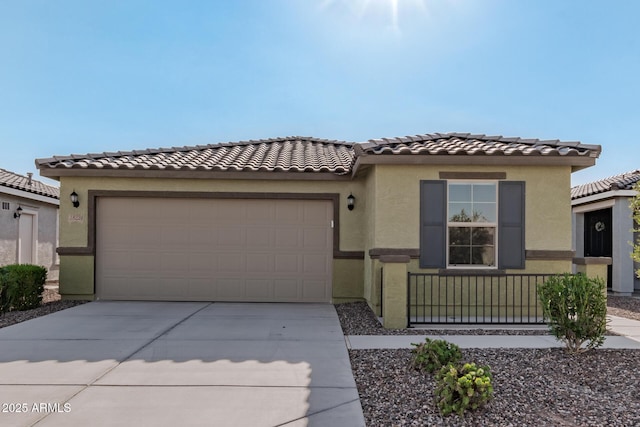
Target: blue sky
point(91, 76)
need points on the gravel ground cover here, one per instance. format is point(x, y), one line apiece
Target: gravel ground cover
point(532, 387)
point(628, 307)
point(357, 318)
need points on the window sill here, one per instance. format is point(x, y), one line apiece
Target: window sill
point(471, 272)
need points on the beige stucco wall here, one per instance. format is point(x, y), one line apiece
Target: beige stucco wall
point(76, 277)
point(73, 220)
point(386, 216)
point(396, 201)
point(348, 280)
point(347, 274)
point(373, 292)
point(393, 214)
point(369, 217)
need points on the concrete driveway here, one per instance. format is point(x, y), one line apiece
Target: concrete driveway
point(171, 363)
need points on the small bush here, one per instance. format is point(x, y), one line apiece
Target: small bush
point(21, 286)
point(431, 355)
point(462, 388)
point(575, 308)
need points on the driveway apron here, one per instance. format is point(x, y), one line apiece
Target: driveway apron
point(170, 363)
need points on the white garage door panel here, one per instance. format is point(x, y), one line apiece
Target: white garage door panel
point(214, 249)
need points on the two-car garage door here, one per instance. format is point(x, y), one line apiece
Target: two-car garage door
point(187, 249)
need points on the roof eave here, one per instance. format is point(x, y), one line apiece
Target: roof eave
point(590, 198)
point(199, 174)
point(30, 195)
point(577, 162)
point(576, 168)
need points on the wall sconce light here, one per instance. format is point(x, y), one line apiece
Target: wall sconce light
point(74, 199)
point(18, 212)
point(351, 202)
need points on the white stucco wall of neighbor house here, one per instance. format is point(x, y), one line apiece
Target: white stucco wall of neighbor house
point(40, 219)
point(623, 269)
point(623, 265)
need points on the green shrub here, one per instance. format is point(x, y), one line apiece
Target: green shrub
point(462, 388)
point(575, 308)
point(4, 301)
point(21, 286)
point(431, 355)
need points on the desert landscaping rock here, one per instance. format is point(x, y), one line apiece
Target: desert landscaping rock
point(532, 387)
point(358, 319)
point(628, 307)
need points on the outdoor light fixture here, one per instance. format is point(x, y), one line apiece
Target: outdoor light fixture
point(74, 199)
point(351, 201)
point(17, 213)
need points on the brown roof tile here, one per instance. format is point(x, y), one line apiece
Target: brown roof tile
point(296, 154)
point(624, 181)
point(24, 183)
point(306, 154)
point(468, 144)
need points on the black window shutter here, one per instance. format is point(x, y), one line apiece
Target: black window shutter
point(511, 224)
point(433, 224)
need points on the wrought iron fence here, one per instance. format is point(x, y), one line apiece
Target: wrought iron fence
point(474, 299)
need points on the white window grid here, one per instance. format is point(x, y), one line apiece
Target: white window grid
point(493, 225)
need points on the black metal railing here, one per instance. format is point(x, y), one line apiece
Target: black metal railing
point(474, 299)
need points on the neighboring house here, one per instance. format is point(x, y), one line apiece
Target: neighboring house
point(28, 222)
point(302, 219)
point(603, 226)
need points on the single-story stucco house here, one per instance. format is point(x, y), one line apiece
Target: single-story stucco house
point(301, 219)
point(28, 222)
point(603, 226)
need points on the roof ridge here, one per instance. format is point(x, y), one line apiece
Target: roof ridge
point(158, 150)
point(533, 142)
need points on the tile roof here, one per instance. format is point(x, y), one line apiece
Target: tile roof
point(289, 154)
point(470, 144)
point(624, 181)
point(306, 154)
point(25, 183)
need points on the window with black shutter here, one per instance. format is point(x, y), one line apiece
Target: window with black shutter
point(478, 224)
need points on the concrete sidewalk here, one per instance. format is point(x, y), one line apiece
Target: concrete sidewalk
point(629, 331)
